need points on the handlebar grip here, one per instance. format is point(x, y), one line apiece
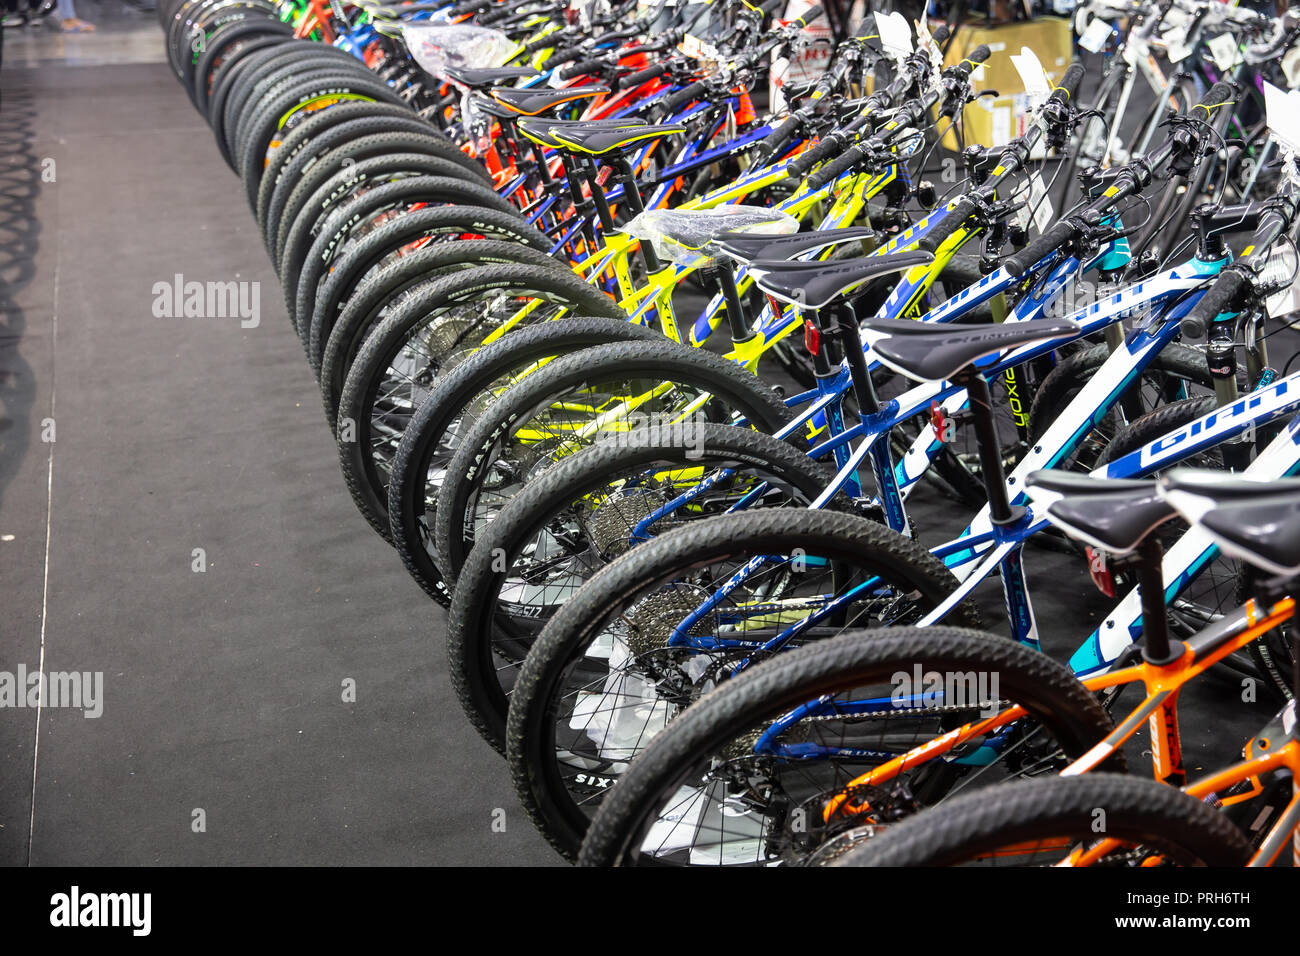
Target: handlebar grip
point(684, 96)
point(1220, 93)
point(946, 226)
point(1055, 237)
point(846, 160)
point(774, 140)
point(810, 16)
point(810, 157)
point(1223, 295)
point(973, 59)
point(583, 66)
point(565, 54)
point(772, 6)
point(632, 80)
point(1069, 84)
point(941, 34)
point(545, 43)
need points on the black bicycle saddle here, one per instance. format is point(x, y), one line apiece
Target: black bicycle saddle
point(934, 351)
point(814, 285)
point(530, 102)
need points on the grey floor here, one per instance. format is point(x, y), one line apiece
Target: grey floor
point(223, 689)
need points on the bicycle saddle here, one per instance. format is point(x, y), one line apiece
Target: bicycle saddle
point(745, 248)
point(542, 131)
point(812, 285)
point(479, 79)
point(685, 236)
point(530, 102)
point(1115, 515)
point(491, 107)
point(601, 141)
point(933, 352)
point(1256, 521)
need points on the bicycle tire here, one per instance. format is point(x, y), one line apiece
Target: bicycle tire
point(1152, 814)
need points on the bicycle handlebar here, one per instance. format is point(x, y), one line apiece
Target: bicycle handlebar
point(633, 80)
point(1227, 289)
point(967, 66)
point(1069, 84)
point(684, 96)
point(593, 65)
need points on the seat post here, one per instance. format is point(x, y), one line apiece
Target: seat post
point(539, 157)
point(632, 196)
point(581, 205)
point(1156, 648)
point(726, 282)
point(990, 449)
point(864, 390)
point(592, 176)
point(631, 193)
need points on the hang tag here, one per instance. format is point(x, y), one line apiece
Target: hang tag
point(1097, 35)
point(1022, 217)
point(1032, 75)
point(895, 35)
point(925, 41)
point(1175, 37)
point(1177, 50)
point(698, 49)
point(1224, 50)
point(1283, 111)
point(1291, 66)
point(1040, 203)
point(1281, 269)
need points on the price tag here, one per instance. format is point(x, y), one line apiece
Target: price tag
point(1177, 49)
point(1224, 50)
point(925, 41)
point(698, 49)
point(1096, 37)
point(1291, 66)
point(1176, 23)
point(895, 35)
point(1040, 203)
point(1032, 75)
point(1283, 111)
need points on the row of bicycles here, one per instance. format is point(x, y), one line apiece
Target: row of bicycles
point(640, 372)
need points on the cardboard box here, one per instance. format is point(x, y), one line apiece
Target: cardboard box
point(995, 121)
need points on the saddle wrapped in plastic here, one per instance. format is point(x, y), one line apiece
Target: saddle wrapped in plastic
point(436, 47)
point(685, 236)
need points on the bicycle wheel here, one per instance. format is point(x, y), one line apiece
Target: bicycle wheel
point(401, 357)
point(224, 43)
point(1174, 373)
point(276, 116)
point(336, 223)
point(392, 287)
point(433, 435)
point(313, 136)
point(1041, 822)
point(574, 402)
point(322, 296)
point(844, 707)
point(583, 514)
point(336, 169)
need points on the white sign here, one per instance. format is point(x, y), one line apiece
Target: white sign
point(895, 35)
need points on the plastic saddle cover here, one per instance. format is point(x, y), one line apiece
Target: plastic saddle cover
point(684, 237)
point(437, 46)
